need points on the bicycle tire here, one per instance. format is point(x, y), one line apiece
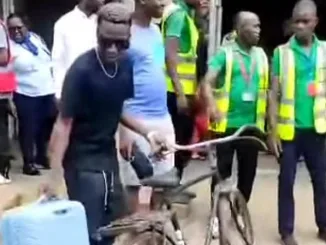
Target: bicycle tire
point(224, 216)
point(143, 237)
point(212, 216)
point(234, 205)
point(240, 208)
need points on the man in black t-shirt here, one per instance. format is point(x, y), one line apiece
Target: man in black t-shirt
point(94, 90)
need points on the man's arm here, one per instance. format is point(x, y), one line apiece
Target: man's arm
point(69, 104)
point(210, 82)
point(133, 124)
point(174, 26)
point(58, 59)
point(4, 59)
point(274, 91)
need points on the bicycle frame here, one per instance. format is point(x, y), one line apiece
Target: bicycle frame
point(222, 186)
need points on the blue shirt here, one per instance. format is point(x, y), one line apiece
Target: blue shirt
point(34, 76)
point(148, 55)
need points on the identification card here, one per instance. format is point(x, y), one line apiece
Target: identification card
point(312, 89)
point(248, 97)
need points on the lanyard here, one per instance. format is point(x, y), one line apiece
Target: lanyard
point(247, 75)
point(45, 50)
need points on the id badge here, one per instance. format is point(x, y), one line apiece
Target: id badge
point(312, 89)
point(248, 97)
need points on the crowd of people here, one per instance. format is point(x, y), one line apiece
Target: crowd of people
point(113, 73)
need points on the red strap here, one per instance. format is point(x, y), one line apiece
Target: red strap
point(247, 76)
point(8, 41)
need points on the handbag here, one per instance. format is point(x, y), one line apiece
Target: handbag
point(141, 163)
point(8, 81)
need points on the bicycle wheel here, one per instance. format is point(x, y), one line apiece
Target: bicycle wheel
point(153, 236)
point(242, 218)
point(212, 217)
point(234, 220)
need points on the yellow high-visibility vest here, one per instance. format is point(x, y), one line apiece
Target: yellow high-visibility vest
point(286, 113)
point(222, 95)
point(186, 68)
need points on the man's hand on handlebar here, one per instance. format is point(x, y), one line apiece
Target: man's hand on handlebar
point(159, 144)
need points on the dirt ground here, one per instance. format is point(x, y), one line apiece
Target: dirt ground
point(263, 205)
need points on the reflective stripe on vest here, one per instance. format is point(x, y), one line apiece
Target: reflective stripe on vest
point(222, 95)
point(186, 68)
point(286, 114)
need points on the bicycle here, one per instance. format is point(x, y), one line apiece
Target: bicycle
point(226, 198)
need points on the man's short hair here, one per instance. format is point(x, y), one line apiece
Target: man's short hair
point(114, 12)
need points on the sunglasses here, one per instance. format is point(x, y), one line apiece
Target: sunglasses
point(108, 43)
point(15, 28)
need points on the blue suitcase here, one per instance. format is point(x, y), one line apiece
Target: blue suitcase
point(51, 222)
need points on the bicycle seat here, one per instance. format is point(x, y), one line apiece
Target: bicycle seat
point(253, 135)
point(167, 180)
point(252, 130)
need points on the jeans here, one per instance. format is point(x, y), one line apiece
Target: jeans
point(36, 117)
point(311, 146)
point(247, 156)
point(184, 125)
point(101, 195)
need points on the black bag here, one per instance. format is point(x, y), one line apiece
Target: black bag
point(140, 163)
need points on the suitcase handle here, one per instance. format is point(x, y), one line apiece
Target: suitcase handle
point(44, 199)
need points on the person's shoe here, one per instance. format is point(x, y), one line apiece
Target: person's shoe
point(44, 164)
point(4, 181)
point(31, 170)
point(322, 235)
point(289, 240)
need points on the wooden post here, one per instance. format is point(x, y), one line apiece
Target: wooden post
point(215, 26)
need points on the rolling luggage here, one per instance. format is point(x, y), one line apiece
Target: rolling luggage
point(46, 222)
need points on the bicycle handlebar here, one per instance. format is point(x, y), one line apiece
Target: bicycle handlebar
point(236, 136)
point(227, 139)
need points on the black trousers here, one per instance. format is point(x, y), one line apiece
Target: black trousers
point(247, 156)
point(4, 134)
point(101, 194)
point(36, 116)
point(311, 146)
point(184, 128)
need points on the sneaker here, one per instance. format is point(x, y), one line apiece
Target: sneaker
point(289, 240)
point(4, 181)
point(215, 228)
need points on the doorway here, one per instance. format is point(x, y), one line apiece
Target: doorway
point(272, 15)
point(44, 13)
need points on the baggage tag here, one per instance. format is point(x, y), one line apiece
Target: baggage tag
point(312, 89)
point(144, 196)
point(248, 96)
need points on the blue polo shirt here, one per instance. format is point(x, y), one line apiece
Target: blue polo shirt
point(148, 56)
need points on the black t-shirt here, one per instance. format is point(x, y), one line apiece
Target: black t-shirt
point(94, 102)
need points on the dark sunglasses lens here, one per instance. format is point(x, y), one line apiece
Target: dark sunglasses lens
point(15, 28)
point(120, 44)
point(123, 44)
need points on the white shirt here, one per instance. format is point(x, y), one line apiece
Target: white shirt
point(33, 72)
point(74, 34)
